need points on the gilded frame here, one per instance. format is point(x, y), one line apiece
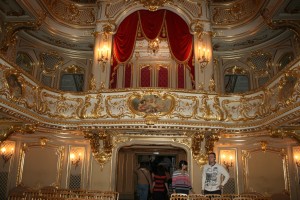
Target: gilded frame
point(151, 104)
point(246, 154)
point(42, 144)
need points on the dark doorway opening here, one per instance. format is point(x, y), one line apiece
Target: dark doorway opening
point(129, 157)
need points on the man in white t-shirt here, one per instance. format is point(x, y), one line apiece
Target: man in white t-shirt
point(211, 176)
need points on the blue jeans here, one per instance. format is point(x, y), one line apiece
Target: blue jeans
point(142, 191)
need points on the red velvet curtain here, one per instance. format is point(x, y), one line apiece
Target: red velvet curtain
point(180, 39)
point(151, 23)
point(123, 44)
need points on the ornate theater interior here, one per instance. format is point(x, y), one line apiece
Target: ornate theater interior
point(89, 88)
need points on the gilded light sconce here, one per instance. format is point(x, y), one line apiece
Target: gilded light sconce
point(76, 156)
point(75, 159)
point(7, 153)
point(227, 161)
point(103, 56)
point(263, 145)
point(203, 56)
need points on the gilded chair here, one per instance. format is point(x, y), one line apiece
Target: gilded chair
point(179, 196)
point(221, 198)
point(231, 196)
point(197, 197)
point(252, 196)
point(242, 198)
point(48, 189)
point(50, 194)
point(16, 196)
point(36, 198)
point(115, 194)
point(262, 198)
point(67, 194)
point(86, 196)
point(104, 196)
point(212, 195)
point(32, 193)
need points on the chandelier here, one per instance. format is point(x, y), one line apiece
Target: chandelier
point(152, 5)
point(153, 45)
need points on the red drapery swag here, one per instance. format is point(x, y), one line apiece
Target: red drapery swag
point(151, 25)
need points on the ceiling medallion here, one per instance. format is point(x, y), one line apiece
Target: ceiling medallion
point(152, 5)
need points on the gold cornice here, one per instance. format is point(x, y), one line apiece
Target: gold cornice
point(21, 129)
point(12, 28)
point(234, 14)
point(293, 25)
point(72, 14)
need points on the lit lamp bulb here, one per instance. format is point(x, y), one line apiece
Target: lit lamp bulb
point(103, 56)
point(75, 161)
point(227, 163)
point(3, 150)
point(72, 157)
point(297, 160)
point(6, 156)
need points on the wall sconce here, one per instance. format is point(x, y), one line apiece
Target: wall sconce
point(103, 56)
point(263, 145)
point(75, 160)
point(297, 160)
point(6, 155)
point(203, 57)
point(227, 162)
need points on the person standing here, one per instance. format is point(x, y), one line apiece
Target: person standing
point(160, 185)
point(211, 176)
point(181, 180)
point(144, 182)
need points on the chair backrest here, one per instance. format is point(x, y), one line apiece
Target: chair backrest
point(115, 194)
point(86, 196)
point(249, 195)
point(242, 198)
point(197, 197)
point(231, 196)
point(179, 196)
point(16, 197)
point(212, 195)
point(262, 198)
point(221, 198)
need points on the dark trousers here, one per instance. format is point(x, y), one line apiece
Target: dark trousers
point(212, 192)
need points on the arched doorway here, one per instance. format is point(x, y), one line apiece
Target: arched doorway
point(129, 157)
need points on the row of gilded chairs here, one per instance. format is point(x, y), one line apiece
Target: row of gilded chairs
point(218, 197)
point(62, 194)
